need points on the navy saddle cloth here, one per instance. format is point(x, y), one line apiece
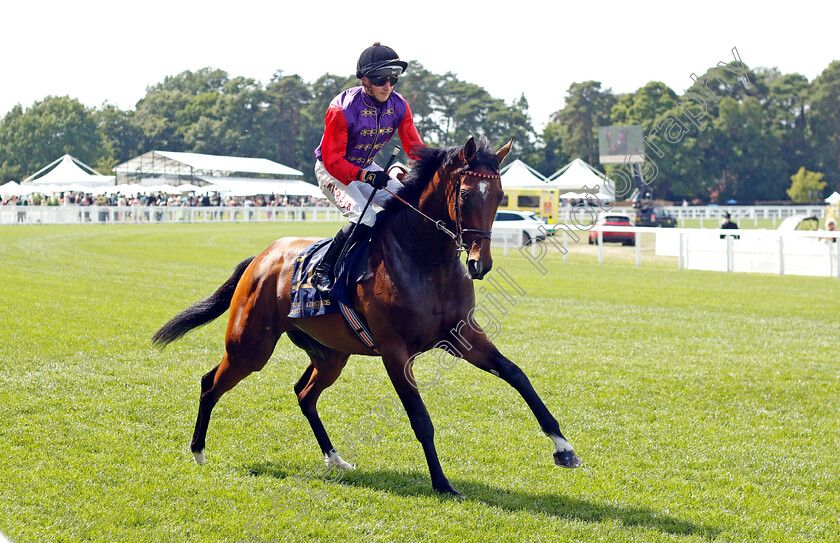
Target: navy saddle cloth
point(306, 300)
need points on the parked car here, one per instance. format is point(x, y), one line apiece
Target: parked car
point(654, 216)
point(626, 238)
point(526, 223)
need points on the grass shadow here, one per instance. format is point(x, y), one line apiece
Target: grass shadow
point(417, 484)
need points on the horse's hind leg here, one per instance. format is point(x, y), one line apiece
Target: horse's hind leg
point(324, 368)
point(248, 353)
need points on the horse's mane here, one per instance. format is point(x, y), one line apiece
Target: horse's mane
point(430, 159)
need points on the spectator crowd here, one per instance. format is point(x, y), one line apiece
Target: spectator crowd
point(160, 199)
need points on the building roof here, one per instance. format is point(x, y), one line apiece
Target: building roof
point(156, 163)
point(239, 186)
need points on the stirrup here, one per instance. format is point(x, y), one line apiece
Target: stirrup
point(322, 280)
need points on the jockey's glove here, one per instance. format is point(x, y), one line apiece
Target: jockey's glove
point(377, 179)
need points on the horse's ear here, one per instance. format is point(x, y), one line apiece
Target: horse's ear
point(468, 152)
point(503, 152)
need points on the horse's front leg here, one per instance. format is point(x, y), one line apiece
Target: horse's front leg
point(484, 355)
point(399, 371)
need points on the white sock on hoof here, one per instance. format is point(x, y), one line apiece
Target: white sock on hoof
point(561, 444)
point(333, 459)
point(199, 456)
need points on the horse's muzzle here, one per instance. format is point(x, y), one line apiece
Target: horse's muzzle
point(476, 269)
point(479, 262)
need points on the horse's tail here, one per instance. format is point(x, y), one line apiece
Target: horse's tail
point(201, 312)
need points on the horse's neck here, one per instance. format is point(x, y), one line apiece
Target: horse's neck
point(412, 246)
point(432, 243)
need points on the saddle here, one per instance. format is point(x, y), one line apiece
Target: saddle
point(307, 301)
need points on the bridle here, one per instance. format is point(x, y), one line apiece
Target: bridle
point(482, 234)
point(453, 200)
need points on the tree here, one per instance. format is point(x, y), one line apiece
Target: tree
point(745, 153)
point(511, 121)
point(121, 138)
point(587, 107)
point(825, 122)
point(170, 115)
point(806, 186)
point(647, 107)
point(423, 91)
point(551, 156)
point(643, 106)
point(285, 121)
point(785, 109)
point(323, 90)
point(30, 139)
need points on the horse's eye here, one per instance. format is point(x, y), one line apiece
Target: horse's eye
point(464, 195)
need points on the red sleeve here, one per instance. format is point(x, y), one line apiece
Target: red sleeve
point(334, 147)
point(409, 137)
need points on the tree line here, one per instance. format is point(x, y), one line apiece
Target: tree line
point(752, 131)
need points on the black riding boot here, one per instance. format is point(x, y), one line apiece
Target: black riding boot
point(324, 275)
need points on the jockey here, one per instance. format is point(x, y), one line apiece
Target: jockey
point(359, 122)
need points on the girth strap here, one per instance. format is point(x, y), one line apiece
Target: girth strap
point(358, 326)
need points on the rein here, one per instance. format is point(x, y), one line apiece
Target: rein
point(440, 225)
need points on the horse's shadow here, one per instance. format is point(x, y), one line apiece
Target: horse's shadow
point(555, 505)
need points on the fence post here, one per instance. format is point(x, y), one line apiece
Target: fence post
point(680, 259)
point(600, 247)
point(728, 254)
point(638, 237)
point(566, 245)
point(781, 255)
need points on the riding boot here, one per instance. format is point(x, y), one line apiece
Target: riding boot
point(324, 275)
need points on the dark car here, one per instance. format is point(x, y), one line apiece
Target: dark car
point(627, 238)
point(654, 216)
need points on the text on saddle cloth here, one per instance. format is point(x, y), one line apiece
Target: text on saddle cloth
point(307, 301)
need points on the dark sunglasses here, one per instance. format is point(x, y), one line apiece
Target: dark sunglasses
point(380, 80)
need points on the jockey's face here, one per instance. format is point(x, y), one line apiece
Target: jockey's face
point(379, 86)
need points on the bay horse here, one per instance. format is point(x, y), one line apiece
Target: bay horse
point(416, 294)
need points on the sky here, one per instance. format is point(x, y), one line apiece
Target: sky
point(97, 51)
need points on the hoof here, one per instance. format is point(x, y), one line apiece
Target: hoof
point(199, 456)
point(333, 459)
point(566, 459)
point(449, 491)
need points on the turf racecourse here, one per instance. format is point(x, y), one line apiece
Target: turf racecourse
point(704, 407)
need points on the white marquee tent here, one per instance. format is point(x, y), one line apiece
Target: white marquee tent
point(12, 188)
point(67, 171)
point(578, 176)
point(518, 175)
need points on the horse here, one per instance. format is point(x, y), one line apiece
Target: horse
point(417, 291)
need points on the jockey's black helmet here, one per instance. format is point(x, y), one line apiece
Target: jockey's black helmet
point(379, 59)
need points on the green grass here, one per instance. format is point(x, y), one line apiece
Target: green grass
point(703, 406)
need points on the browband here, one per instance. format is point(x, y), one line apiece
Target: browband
point(482, 175)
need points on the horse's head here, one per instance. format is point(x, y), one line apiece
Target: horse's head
point(476, 195)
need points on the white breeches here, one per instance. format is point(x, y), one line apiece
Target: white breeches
point(351, 199)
